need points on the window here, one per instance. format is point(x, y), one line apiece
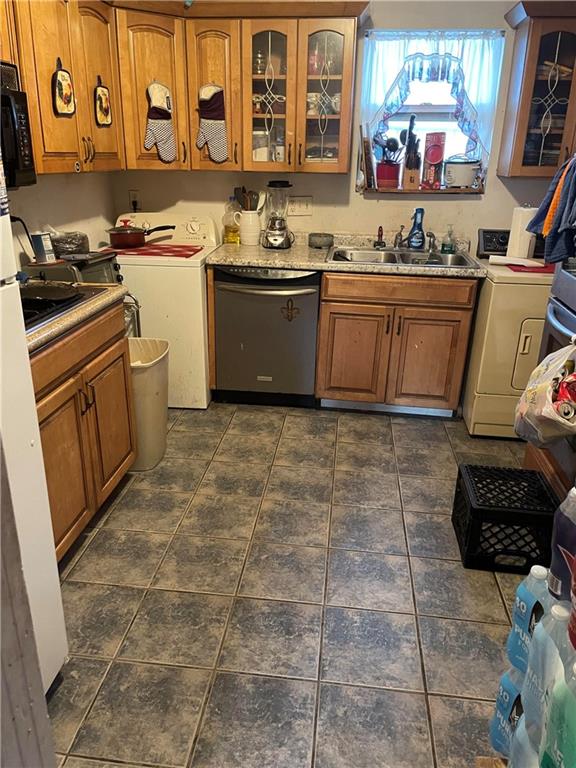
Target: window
point(448, 78)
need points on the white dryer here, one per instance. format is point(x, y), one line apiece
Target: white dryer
point(168, 277)
point(507, 334)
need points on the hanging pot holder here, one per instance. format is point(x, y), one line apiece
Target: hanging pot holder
point(102, 106)
point(63, 98)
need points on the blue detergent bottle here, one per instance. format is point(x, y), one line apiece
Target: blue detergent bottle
point(532, 601)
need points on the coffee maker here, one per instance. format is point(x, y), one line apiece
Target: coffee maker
point(277, 235)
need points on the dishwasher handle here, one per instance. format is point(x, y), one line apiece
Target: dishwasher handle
point(266, 291)
point(557, 325)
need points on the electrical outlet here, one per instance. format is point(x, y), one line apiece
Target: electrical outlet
point(300, 206)
point(134, 200)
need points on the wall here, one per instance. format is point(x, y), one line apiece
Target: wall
point(65, 201)
point(73, 201)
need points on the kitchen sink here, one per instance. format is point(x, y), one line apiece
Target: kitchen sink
point(362, 256)
point(426, 259)
point(403, 256)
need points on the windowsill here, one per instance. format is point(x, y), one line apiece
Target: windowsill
point(445, 191)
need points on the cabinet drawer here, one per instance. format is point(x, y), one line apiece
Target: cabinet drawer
point(59, 359)
point(399, 290)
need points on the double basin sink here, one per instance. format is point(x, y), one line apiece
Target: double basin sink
point(403, 256)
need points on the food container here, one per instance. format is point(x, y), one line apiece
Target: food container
point(460, 171)
point(320, 240)
point(130, 236)
point(69, 242)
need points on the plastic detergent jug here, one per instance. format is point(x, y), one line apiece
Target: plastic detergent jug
point(563, 547)
point(532, 601)
point(549, 650)
point(558, 748)
point(522, 755)
point(508, 711)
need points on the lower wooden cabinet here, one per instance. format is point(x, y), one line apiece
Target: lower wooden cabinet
point(66, 449)
point(428, 355)
point(388, 352)
point(353, 351)
point(86, 423)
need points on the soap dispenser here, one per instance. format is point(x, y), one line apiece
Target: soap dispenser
point(416, 237)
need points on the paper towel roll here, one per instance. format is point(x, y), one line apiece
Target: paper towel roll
point(521, 243)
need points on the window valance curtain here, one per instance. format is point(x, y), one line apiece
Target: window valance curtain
point(469, 61)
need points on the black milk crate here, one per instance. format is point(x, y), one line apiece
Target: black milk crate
point(503, 518)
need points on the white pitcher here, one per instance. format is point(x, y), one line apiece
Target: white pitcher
point(249, 223)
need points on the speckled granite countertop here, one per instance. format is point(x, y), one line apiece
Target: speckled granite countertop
point(38, 337)
point(302, 257)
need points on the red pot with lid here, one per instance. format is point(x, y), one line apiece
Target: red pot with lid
point(130, 236)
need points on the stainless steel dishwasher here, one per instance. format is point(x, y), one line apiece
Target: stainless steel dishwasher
point(266, 325)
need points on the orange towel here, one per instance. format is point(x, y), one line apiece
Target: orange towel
point(547, 226)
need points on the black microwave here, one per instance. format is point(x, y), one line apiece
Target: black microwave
point(17, 156)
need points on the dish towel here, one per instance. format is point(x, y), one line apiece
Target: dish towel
point(556, 217)
point(212, 129)
point(159, 126)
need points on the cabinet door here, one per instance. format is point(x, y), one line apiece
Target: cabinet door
point(112, 434)
point(8, 49)
point(65, 445)
point(541, 116)
point(152, 49)
point(427, 358)
point(325, 94)
point(353, 351)
point(213, 49)
point(269, 94)
point(96, 62)
point(44, 35)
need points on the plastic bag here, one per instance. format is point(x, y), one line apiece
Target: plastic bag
point(547, 409)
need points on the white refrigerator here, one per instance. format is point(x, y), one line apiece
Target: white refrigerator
point(25, 465)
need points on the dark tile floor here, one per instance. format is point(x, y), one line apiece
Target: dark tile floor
point(284, 591)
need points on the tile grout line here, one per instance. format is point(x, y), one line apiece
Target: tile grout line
point(207, 694)
point(316, 720)
point(417, 627)
point(145, 591)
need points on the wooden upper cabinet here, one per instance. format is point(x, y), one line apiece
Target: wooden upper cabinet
point(540, 124)
point(96, 61)
point(152, 50)
point(325, 93)
point(111, 419)
point(427, 358)
point(353, 351)
point(269, 71)
point(213, 50)
point(44, 37)
point(8, 49)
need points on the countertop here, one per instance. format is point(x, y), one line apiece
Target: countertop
point(305, 258)
point(51, 329)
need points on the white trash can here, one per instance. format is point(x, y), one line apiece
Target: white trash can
point(149, 364)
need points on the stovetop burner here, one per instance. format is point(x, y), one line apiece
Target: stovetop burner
point(42, 301)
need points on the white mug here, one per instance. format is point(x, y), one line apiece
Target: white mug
point(249, 223)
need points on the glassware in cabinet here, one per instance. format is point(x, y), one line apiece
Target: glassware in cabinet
point(269, 93)
point(325, 85)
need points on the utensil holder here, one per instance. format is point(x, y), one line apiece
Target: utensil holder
point(387, 175)
point(249, 223)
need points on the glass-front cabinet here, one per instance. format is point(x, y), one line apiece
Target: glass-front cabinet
point(325, 81)
point(269, 77)
point(540, 127)
point(297, 94)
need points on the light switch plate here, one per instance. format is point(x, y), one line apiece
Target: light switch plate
point(300, 206)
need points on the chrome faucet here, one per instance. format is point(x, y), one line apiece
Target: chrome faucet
point(399, 240)
point(431, 242)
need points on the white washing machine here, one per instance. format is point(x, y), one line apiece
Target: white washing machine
point(507, 334)
point(168, 277)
